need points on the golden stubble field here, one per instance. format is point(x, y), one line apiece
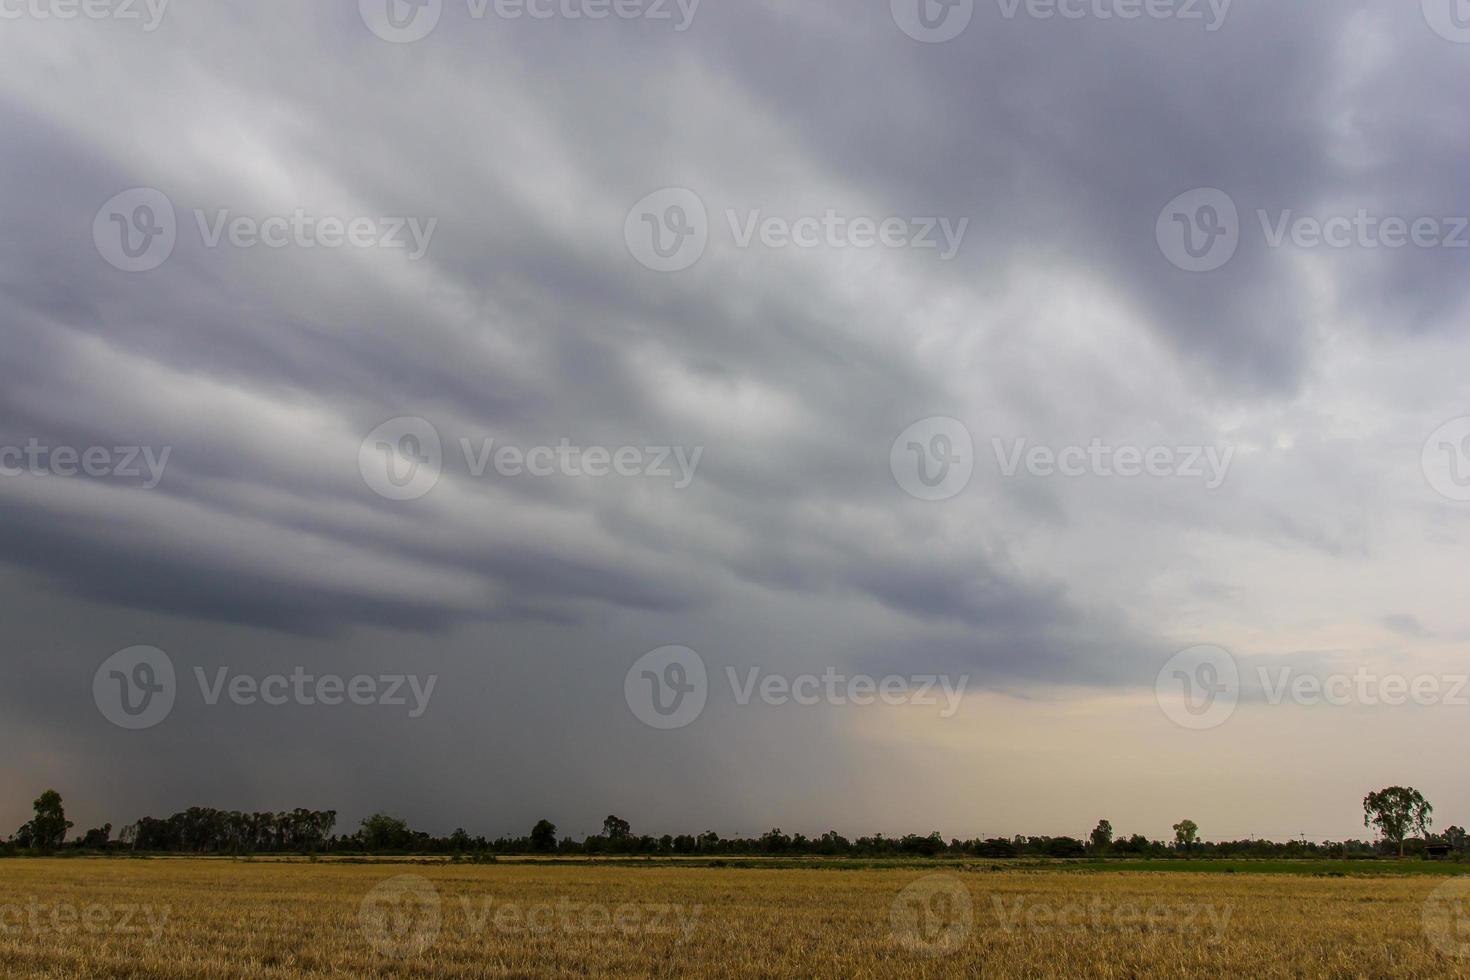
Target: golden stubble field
point(222, 918)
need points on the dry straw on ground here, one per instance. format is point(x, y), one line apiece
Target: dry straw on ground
point(219, 918)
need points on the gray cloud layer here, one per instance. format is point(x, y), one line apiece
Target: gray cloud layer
point(528, 321)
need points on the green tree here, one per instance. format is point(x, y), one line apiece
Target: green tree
point(1102, 836)
point(1396, 811)
point(616, 828)
point(543, 837)
point(381, 832)
point(48, 828)
point(1186, 832)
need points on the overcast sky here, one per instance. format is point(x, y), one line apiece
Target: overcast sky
point(865, 312)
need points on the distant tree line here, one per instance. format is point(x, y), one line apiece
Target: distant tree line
point(1395, 812)
point(202, 830)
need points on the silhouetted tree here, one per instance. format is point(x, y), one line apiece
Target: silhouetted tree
point(1186, 832)
point(97, 837)
point(543, 837)
point(1395, 811)
point(381, 832)
point(47, 829)
point(616, 829)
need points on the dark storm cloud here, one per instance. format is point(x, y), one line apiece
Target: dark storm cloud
point(528, 321)
point(1073, 161)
